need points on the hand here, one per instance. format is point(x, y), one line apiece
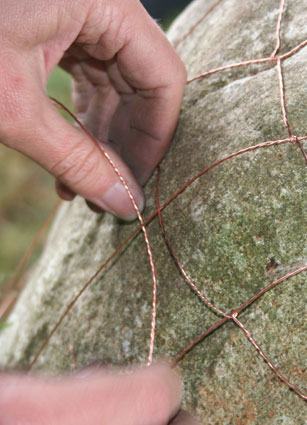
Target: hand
point(148, 396)
point(128, 86)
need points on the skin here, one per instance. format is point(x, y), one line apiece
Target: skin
point(146, 396)
point(128, 83)
point(128, 86)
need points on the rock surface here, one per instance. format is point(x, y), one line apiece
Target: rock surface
point(236, 229)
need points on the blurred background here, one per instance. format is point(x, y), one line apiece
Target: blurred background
point(164, 11)
point(26, 191)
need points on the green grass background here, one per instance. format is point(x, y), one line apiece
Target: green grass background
point(27, 193)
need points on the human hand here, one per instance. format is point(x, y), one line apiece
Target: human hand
point(128, 86)
point(147, 396)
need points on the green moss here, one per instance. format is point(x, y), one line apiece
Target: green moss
point(238, 228)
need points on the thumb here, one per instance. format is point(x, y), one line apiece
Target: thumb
point(37, 130)
point(148, 396)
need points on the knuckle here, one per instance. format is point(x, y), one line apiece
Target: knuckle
point(180, 73)
point(78, 165)
point(104, 31)
point(14, 113)
point(183, 72)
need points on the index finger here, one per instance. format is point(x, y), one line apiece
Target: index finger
point(146, 72)
point(148, 396)
point(150, 65)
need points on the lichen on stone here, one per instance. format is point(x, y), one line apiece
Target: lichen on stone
point(236, 229)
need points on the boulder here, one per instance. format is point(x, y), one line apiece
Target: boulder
point(237, 228)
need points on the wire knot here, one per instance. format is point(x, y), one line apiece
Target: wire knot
point(294, 139)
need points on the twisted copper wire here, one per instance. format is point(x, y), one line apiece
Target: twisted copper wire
point(278, 28)
point(147, 221)
point(15, 284)
point(291, 139)
point(232, 315)
point(197, 23)
point(140, 218)
point(218, 324)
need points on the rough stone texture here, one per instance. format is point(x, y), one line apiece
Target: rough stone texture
point(226, 228)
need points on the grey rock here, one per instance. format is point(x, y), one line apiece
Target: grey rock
point(236, 229)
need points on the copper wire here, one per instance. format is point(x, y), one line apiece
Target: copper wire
point(177, 261)
point(140, 218)
point(271, 59)
point(278, 27)
point(15, 284)
point(197, 23)
point(231, 66)
point(233, 315)
point(267, 360)
point(284, 109)
point(148, 220)
point(282, 97)
point(218, 324)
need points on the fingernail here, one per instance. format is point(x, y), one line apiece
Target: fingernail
point(117, 201)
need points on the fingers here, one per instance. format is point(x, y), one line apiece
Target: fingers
point(184, 418)
point(150, 65)
point(133, 100)
point(67, 153)
point(149, 396)
point(146, 72)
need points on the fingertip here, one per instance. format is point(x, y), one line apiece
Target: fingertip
point(122, 201)
point(63, 191)
point(167, 386)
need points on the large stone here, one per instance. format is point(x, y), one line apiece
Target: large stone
point(236, 229)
